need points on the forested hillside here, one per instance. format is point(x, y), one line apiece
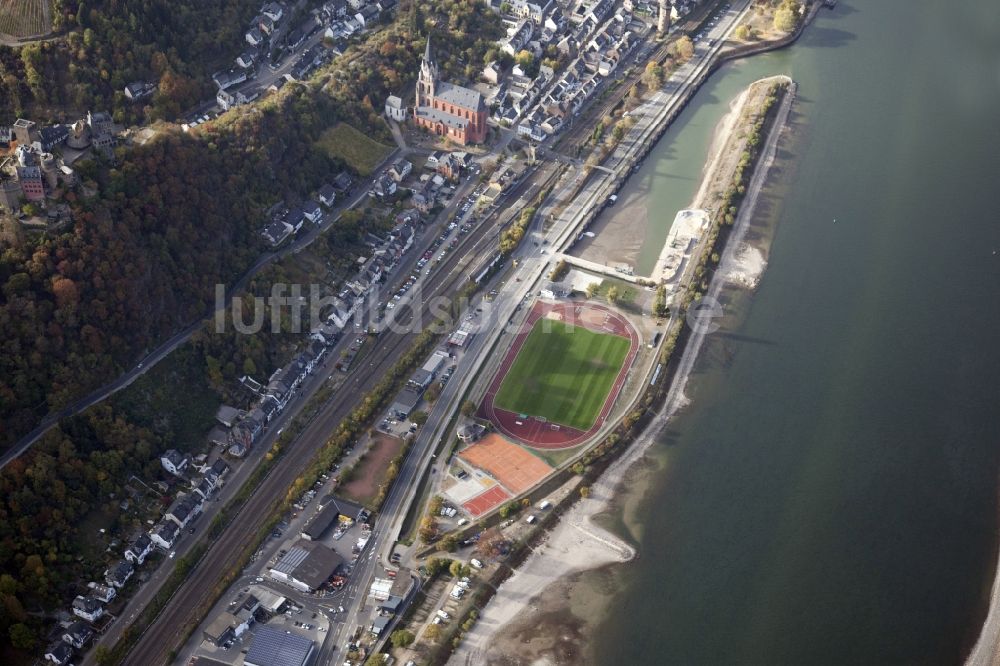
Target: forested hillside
point(109, 43)
point(177, 215)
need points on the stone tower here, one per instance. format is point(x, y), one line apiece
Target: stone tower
point(427, 78)
point(663, 18)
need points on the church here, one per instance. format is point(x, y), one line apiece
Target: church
point(448, 110)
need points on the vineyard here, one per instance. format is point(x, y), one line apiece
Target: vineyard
point(25, 18)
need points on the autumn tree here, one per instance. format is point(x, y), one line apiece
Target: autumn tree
point(652, 76)
point(683, 48)
point(428, 529)
point(401, 638)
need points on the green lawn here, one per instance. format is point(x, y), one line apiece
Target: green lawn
point(563, 374)
point(361, 152)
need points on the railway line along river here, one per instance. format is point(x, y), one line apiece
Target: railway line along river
point(830, 493)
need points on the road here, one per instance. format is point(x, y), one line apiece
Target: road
point(265, 77)
point(452, 273)
point(533, 263)
point(222, 555)
point(304, 393)
point(532, 266)
point(168, 346)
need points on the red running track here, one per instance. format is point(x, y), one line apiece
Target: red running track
point(538, 433)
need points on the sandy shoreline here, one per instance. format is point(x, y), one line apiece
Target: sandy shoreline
point(986, 651)
point(621, 230)
point(576, 543)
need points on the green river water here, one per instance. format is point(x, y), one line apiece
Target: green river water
point(830, 495)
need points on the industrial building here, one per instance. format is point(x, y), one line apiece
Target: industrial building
point(333, 510)
point(307, 565)
point(273, 647)
point(406, 401)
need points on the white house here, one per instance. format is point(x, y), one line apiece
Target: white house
point(400, 169)
point(254, 36)
point(164, 534)
point(327, 195)
point(183, 510)
point(103, 593)
point(88, 608)
point(395, 109)
point(118, 574)
point(312, 211)
point(78, 634)
point(273, 10)
point(491, 73)
point(174, 461)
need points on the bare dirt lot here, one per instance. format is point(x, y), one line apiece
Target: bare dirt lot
point(371, 469)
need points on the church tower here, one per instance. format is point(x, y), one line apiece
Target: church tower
point(663, 18)
point(427, 78)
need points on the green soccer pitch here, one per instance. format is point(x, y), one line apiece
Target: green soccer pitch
point(563, 374)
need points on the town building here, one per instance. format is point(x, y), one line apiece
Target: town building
point(232, 623)
point(138, 90)
point(139, 549)
point(118, 574)
point(25, 131)
point(446, 109)
point(30, 179)
point(59, 653)
point(400, 169)
point(312, 211)
point(103, 593)
point(87, 608)
point(174, 461)
point(327, 195)
point(183, 510)
point(334, 510)
point(406, 401)
point(273, 647)
point(395, 109)
point(78, 634)
point(307, 565)
point(164, 534)
point(342, 182)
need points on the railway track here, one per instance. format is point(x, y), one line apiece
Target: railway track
point(196, 595)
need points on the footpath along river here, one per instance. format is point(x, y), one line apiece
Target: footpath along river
point(830, 494)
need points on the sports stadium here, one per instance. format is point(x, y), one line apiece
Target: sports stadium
point(557, 383)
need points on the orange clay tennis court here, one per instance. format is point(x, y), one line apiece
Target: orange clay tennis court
point(483, 502)
point(515, 468)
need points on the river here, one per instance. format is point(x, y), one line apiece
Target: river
point(830, 495)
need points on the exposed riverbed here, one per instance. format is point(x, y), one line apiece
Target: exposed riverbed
point(830, 493)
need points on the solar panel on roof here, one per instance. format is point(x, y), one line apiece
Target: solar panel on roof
point(274, 647)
